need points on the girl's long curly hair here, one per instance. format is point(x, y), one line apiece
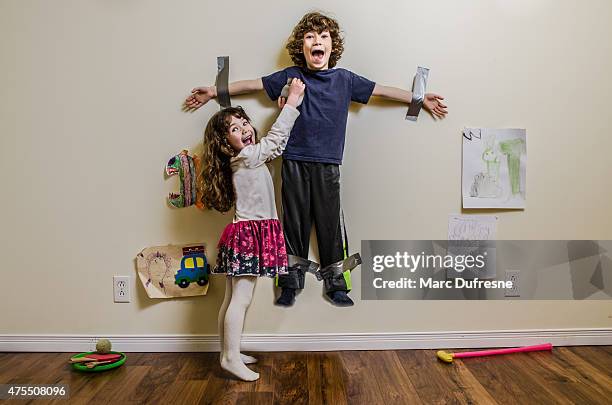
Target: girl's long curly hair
point(217, 186)
point(316, 22)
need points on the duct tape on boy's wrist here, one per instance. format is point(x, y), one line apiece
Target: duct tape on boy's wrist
point(419, 85)
point(222, 82)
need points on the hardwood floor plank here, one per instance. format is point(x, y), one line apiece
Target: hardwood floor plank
point(255, 398)
point(313, 365)
point(74, 380)
point(331, 379)
point(224, 388)
point(290, 378)
point(125, 384)
point(506, 383)
point(19, 365)
point(185, 392)
point(560, 390)
point(471, 389)
point(162, 369)
point(197, 366)
point(596, 356)
point(51, 368)
point(361, 388)
point(562, 372)
point(602, 382)
point(93, 384)
point(437, 382)
point(393, 382)
point(216, 388)
point(139, 359)
point(265, 368)
point(430, 383)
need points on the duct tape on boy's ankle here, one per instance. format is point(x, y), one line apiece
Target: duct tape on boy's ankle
point(336, 269)
point(222, 82)
point(304, 265)
point(419, 85)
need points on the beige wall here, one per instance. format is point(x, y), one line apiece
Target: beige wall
point(90, 112)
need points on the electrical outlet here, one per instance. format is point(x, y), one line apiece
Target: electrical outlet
point(513, 276)
point(121, 288)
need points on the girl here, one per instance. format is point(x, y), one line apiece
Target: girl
point(253, 244)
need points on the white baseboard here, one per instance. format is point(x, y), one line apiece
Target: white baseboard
point(311, 342)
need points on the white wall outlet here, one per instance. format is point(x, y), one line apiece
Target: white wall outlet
point(513, 276)
point(121, 288)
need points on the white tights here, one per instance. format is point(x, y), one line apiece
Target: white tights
point(238, 297)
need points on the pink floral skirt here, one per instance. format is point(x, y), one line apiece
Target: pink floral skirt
point(255, 248)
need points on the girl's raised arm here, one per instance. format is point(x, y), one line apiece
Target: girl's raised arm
point(273, 145)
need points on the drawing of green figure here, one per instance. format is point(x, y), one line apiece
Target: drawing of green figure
point(492, 161)
point(513, 149)
point(486, 185)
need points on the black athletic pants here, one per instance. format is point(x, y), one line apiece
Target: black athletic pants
point(311, 191)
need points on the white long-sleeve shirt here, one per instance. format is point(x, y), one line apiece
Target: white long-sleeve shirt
point(251, 177)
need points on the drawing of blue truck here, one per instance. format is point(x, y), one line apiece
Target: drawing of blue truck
point(194, 268)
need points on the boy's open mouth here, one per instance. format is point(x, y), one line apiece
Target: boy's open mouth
point(317, 55)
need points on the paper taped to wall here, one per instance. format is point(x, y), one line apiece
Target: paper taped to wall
point(173, 270)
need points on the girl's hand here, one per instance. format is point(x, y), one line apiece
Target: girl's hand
point(434, 106)
point(199, 96)
point(296, 89)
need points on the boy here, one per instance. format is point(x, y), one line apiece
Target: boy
point(312, 158)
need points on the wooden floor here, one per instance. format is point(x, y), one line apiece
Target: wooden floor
point(580, 375)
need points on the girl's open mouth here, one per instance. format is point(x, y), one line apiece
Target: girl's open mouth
point(248, 140)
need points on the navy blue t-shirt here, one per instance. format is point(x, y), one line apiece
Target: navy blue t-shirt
point(318, 134)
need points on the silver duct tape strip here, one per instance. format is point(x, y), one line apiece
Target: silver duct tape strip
point(285, 92)
point(222, 82)
point(340, 267)
point(304, 264)
point(419, 85)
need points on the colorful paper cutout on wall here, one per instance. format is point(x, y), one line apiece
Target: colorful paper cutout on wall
point(189, 170)
point(174, 270)
point(494, 168)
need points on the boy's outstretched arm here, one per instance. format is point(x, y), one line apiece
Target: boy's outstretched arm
point(432, 102)
point(202, 95)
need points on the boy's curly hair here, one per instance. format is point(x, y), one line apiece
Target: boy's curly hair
point(216, 180)
point(316, 22)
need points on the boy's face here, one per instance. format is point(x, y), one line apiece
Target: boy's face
point(317, 49)
point(240, 133)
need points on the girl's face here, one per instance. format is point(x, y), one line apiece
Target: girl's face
point(317, 49)
point(240, 133)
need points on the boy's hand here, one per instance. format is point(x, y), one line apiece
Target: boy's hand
point(296, 89)
point(200, 96)
point(434, 106)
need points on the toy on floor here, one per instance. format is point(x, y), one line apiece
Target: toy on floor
point(93, 362)
point(100, 360)
point(93, 357)
point(103, 346)
point(448, 357)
